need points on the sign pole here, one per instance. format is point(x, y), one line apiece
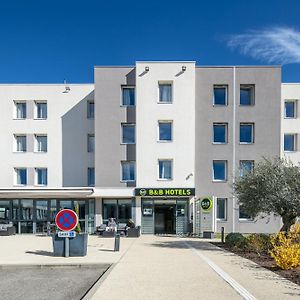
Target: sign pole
point(67, 247)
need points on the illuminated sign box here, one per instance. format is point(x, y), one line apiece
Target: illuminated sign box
point(165, 192)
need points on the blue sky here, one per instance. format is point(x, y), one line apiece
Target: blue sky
point(47, 41)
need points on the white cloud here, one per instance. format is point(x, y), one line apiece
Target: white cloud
point(280, 45)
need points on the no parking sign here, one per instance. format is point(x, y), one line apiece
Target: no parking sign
point(66, 220)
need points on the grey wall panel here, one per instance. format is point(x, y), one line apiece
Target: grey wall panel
point(109, 114)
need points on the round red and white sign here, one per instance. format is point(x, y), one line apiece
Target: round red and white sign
point(66, 220)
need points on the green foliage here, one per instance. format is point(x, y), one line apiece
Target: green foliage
point(236, 240)
point(259, 243)
point(272, 187)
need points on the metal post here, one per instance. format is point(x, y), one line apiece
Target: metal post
point(117, 242)
point(67, 247)
point(222, 235)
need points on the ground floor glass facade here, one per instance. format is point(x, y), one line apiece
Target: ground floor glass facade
point(38, 215)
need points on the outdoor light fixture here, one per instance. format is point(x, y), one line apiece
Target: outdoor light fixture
point(146, 69)
point(67, 88)
point(183, 68)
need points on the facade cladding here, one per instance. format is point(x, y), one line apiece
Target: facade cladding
point(145, 143)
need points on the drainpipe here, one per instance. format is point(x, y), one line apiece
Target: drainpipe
point(233, 146)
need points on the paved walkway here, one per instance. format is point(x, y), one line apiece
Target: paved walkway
point(155, 268)
point(33, 250)
point(179, 268)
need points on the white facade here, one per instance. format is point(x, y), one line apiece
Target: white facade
point(291, 123)
point(180, 112)
point(66, 128)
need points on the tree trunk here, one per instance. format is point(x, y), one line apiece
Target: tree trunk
point(288, 221)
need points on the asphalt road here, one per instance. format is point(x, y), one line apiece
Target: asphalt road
point(53, 282)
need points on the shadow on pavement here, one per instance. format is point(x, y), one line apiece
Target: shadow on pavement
point(40, 252)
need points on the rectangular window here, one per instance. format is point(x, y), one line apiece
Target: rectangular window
point(21, 176)
point(243, 215)
point(128, 96)
point(128, 133)
point(128, 170)
point(290, 109)
point(20, 143)
point(220, 94)
point(165, 169)
point(221, 208)
point(41, 143)
point(220, 133)
point(90, 109)
point(120, 210)
point(246, 133)
point(247, 94)
point(41, 176)
point(91, 143)
point(246, 166)
point(165, 92)
point(41, 110)
point(20, 110)
point(290, 142)
point(91, 176)
point(165, 131)
point(219, 170)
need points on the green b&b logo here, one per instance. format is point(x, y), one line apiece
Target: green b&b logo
point(206, 204)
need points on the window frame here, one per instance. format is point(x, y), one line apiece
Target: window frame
point(37, 178)
point(121, 169)
point(16, 176)
point(252, 133)
point(127, 87)
point(165, 82)
point(225, 208)
point(226, 171)
point(250, 219)
point(172, 169)
point(89, 177)
point(252, 95)
point(122, 136)
point(246, 160)
point(216, 86)
point(36, 102)
point(36, 135)
point(158, 131)
point(89, 150)
point(88, 111)
point(15, 148)
point(226, 133)
point(15, 115)
point(295, 142)
point(295, 109)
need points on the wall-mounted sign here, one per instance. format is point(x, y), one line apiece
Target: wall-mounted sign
point(147, 212)
point(165, 192)
point(206, 204)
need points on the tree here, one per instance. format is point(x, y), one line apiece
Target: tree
point(272, 187)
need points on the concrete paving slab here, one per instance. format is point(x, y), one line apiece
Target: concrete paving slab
point(166, 268)
point(32, 249)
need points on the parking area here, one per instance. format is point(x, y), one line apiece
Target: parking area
point(52, 282)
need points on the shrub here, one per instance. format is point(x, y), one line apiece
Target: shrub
point(286, 249)
point(259, 243)
point(236, 240)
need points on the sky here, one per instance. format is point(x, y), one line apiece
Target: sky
point(47, 41)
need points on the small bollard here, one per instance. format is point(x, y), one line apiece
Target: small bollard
point(222, 235)
point(117, 242)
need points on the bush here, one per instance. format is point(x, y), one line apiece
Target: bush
point(259, 243)
point(236, 240)
point(286, 249)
